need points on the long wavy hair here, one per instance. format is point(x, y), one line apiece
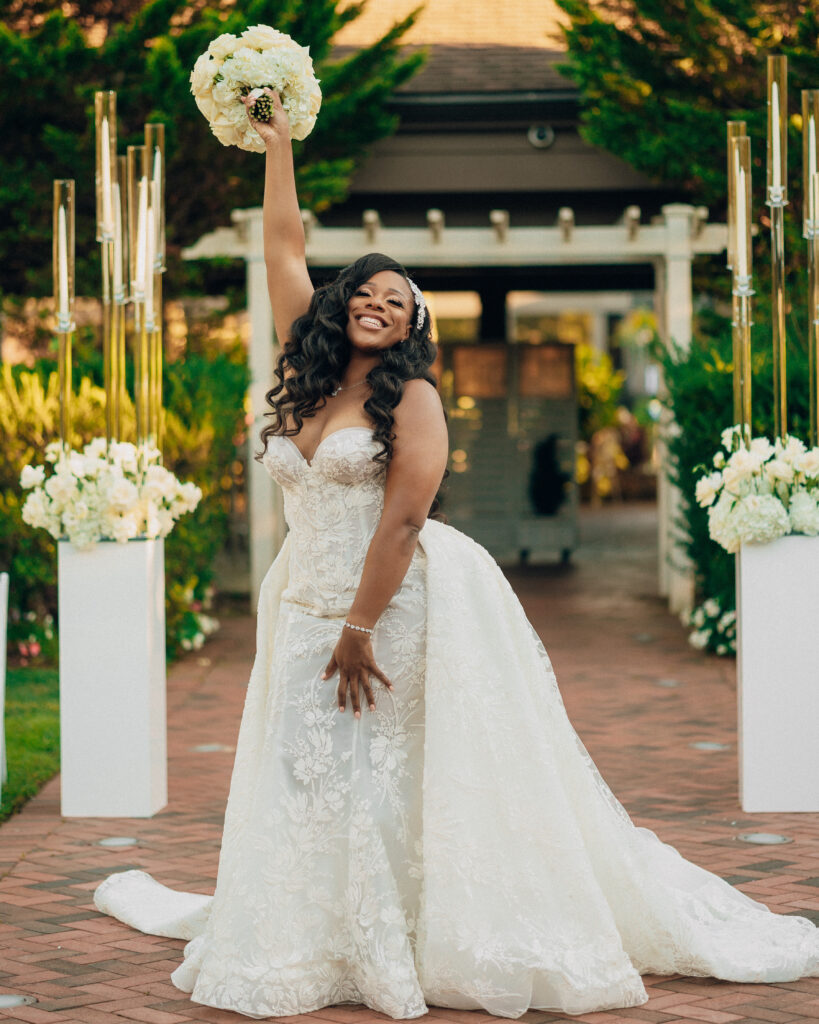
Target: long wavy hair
point(313, 360)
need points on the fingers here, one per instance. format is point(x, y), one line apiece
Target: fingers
point(355, 684)
point(376, 671)
point(331, 668)
point(368, 693)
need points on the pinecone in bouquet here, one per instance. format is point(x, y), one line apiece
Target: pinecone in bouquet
point(236, 66)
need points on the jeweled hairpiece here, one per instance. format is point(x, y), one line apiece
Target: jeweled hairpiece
point(421, 306)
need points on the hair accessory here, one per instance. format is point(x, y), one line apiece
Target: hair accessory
point(420, 304)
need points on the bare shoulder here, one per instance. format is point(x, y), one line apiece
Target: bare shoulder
point(420, 404)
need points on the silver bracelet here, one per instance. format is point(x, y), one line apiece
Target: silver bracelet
point(361, 629)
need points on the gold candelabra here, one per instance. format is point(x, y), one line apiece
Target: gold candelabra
point(739, 247)
point(130, 205)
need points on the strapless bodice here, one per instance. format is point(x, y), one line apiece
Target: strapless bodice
point(332, 506)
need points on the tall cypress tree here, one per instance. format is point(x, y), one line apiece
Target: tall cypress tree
point(53, 62)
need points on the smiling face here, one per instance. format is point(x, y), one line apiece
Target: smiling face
point(380, 312)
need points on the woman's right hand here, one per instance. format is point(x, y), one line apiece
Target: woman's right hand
point(278, 127)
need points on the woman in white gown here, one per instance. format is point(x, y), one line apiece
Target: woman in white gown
point(412, 820)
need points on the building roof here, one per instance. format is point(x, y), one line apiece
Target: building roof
point(474, 46)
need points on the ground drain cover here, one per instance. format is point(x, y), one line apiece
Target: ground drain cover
point(8, 1000)
point(763, 838)
point(212, 748)
point(117, 841)
point(709, 745)
point(669, 684)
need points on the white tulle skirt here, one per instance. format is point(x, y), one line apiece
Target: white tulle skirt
point(456, 848)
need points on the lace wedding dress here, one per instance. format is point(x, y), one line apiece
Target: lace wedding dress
point(457, 847)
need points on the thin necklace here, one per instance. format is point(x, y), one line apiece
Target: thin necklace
point(348, 388)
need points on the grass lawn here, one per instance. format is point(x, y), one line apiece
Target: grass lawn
point(32, 734)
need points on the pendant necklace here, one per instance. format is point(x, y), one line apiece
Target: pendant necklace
point(348, 388)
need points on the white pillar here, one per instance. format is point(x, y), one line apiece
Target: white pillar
point(676, 577)
point(264, 498)
point(113, 745)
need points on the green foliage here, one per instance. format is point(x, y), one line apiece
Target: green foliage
point(32, 734)
point(51, 70)
point(659, 81)
point(700, 389)
point(205, 425)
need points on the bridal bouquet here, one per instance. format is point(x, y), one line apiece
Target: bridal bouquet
point(119, 494)
point(760, 493)
point(235, 66)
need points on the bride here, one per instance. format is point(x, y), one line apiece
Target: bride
point(412, 819)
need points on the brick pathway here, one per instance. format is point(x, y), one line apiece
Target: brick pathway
point(638, 695)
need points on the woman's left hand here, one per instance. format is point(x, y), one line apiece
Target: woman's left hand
point(354, 659)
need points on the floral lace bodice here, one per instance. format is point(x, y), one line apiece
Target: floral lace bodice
point(332, 506)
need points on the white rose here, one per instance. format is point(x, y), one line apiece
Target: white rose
point(779, 469)
point(35, 510)
point(96, 448)
point(53, 450)
point(711, 607)
point(707, 488)
point(124, 456)
point(762, 447)
point(790, 450)
point(728, 435)
point(263, 37)
point(189, 496)
point(61, 487)
point(223, 46)
point(719, 460)
point(808, 463)
point(202, 75)
point(700, 638)
point(740, 467)
point(32, 476)
point(123, 495)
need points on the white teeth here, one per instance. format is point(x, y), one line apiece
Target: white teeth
point(369, 321)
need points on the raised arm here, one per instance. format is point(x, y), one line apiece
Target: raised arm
point(287, 278)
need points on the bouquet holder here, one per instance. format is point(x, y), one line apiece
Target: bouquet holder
point(778, 674)
point(112, 679)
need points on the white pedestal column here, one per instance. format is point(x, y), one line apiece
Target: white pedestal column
point(778, 674)
point(112, 679)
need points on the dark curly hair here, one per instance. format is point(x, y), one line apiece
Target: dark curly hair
point(318, 351)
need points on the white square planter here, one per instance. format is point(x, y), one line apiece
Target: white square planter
point(112, 679)
point(778, 674)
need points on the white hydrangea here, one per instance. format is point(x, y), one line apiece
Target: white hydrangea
point(262, 57)
point(807, 463)
point(804, 512)
point(699, 638)
point(32, 476)
point(711, 607)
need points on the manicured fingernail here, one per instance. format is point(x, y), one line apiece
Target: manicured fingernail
point(340, 708)
point(358, 714)
point(372, 707)
point(323, 675)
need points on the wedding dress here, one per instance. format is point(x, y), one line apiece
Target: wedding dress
point(457, 847)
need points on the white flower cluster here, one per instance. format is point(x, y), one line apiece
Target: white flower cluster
point(116, 494)
point(712, 627)
point(261, 57)
point(761, 492)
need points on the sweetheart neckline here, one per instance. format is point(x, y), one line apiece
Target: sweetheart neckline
point(310, 462)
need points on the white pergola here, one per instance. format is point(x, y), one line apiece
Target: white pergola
point(669, 244)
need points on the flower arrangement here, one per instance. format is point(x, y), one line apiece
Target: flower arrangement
point(713, 628)
point(262, 57)
point(760, 492)
point(116, 493)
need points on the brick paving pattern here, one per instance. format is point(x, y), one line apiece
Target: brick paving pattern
point(639, 697)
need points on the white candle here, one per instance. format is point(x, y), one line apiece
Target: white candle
point(776, 152)
point(62, 264)
point(117, 242)
point(141, 239)
point(742, 229)
point(157, 199)
point(107, 212)
point(149, 266)
point(814, 193)
point(812, 210)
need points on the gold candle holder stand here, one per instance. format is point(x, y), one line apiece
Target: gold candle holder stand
point(138, 274)
point(810, 230)
point(777, 201)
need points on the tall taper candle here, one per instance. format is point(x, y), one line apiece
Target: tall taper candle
point(777, 200)
point(63, 273)
point(735, 129)
point(105, 112)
